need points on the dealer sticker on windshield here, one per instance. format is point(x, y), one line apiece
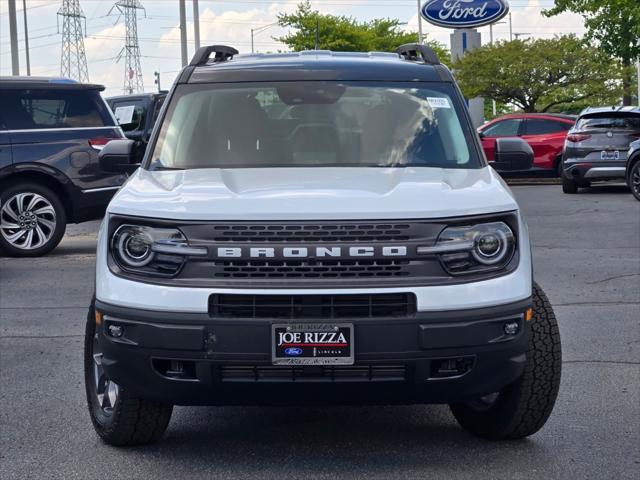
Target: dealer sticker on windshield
point(438, 102)
point(312, 344)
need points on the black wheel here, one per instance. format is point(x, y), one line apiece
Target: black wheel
point(634, 180)
point(559, 170)
point(32, 220)
point(568, 185)
point(118, 418)
point(522, 408)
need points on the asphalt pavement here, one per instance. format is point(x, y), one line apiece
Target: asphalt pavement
point(586, 257)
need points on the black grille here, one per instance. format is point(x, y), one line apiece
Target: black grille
point(313, 269)
point(312, 306)
point(330, 232)
point(336, 373)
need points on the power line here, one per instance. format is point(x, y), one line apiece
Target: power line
point(73, 62)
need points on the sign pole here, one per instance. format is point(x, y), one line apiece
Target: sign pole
point(420, 37)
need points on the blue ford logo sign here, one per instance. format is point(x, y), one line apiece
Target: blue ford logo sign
point(464, 13)
point(293, 351)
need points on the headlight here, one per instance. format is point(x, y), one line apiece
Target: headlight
point(151, 250)
point(475, 248)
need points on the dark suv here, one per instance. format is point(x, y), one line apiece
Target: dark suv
point(596, 147)
point(51, 131)
point(137, 114)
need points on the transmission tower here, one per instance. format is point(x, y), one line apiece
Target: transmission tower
point(73, 63)
point(131, 50)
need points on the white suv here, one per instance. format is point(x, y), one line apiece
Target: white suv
point(317, 227)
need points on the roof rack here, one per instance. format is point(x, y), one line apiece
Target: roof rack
point(410, 51)
point(223, 53)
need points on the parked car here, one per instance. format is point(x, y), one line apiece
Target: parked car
point(633, 169)
point(137, 114)
point(51, 131)
point(358, 250)
point(545, 132)
point(596, 147)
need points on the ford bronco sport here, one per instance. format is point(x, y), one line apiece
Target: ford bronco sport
point(317, 227)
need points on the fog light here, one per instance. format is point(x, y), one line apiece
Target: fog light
point(115, 331)
point(511, 328)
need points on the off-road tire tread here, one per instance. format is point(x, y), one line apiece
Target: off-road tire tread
point(134, 421)
point(528, 402)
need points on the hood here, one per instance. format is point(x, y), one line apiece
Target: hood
point(312, 193)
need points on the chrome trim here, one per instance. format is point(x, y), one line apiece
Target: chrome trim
point(101, 189)
point(446, 248)
point(605, 172)
point(178, 249)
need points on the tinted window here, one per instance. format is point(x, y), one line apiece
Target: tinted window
point(313, 125)
point(617, 122)
point(541, 126)
point(130, 115)
point(33, 109)
point(504, 128)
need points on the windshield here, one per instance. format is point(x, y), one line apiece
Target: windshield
point(314, 124)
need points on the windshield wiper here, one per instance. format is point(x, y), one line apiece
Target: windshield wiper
point(162, 167)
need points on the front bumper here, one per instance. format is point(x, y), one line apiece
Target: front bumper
point(429, 357)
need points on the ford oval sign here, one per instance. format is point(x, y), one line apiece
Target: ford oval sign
point(293, 352)
point(464, 13)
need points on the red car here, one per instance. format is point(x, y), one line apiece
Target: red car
point(545, 132)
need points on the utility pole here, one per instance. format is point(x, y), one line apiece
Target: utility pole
point(196, 24)
point(183, 33)
point(157, 80)
point(132, 70)
point(420, 37)
point(26, 36)
point(73, 61)
point(638, 81)
point(510, 28)
point(13, 33)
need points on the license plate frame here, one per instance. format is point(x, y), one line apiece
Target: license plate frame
point(314, 352)
point(610, 155)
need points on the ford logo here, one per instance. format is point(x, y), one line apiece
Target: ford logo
point(464, 13)
point(293, 351)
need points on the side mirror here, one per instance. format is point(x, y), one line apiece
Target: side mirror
point(117, 157)
point(512, 154)
point(481, 134)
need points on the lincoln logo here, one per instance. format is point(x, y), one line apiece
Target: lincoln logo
point(317, 252)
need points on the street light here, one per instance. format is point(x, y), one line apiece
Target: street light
point(255, 31)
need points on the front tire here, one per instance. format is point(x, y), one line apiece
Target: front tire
point(118, 418)
point(32, 220)
point(523, 407)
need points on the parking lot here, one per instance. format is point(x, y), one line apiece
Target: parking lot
point(586, 257)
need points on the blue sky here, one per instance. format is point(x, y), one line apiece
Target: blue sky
point(227, 22)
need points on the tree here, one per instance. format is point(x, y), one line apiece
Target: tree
point(342, 34)
point(615, 26)
point(539, 75)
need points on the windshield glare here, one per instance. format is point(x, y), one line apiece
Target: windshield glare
point(314, 124)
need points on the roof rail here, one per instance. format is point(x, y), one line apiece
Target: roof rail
point(409, 51)
point(223, 53)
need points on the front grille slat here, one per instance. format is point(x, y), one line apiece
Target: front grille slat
point(312, 306)
point(329, 374)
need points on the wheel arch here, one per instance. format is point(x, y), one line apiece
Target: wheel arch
point(43, 175)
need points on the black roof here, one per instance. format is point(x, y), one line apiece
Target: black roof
point(47, 83)
point(609, 110)
point(317, 65)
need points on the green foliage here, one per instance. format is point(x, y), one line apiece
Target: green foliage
point(615, 27)
point(540, 75)
point(345, 34)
